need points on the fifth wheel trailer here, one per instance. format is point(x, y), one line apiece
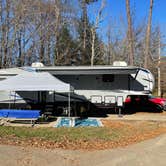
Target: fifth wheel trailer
point(99, 85)
point(103, 85)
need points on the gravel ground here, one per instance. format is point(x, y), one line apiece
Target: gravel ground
point(140, 116)
point(151, 152)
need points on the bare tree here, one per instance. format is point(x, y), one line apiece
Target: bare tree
point(148, 35)
point(84, 4)
point(130, 34)
point(5, 27)
point(93, 30)
point(158, 66)
point(109, 45)
point(84, 10)
point(1, 19)
point(113, 42)
point(19, 8)
point(35, 31)
point(57, 21)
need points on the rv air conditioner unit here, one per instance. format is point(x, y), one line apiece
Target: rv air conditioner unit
point(37, 64)
point(119, 63)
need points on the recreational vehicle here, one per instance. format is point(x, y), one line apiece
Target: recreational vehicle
point(101, 86)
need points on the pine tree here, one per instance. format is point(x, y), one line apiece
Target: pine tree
point(67, 47)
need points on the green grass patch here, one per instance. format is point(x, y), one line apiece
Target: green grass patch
point(56, 134)
point(82, 133)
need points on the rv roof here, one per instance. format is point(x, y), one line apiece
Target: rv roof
point(13, 71)
point(91, 70)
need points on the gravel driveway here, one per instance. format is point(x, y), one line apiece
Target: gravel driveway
point(151, 152)
point(140, 116)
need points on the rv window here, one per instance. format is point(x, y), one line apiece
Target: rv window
point(108, 78)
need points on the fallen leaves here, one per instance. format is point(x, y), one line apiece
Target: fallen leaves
point(128, 133)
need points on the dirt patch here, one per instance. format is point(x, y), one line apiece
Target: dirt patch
point(121, 134)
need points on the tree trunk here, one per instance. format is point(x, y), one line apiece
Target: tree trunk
point(84, 10)
point(93, 31)
point(93, 46)
point(57, 28)
point(6, 34)
point(148, 34)
point(1, 38)
point(41, 33)
point(130, 34)
point(19, 40)
point(158, 68)
point(48, 61)
point(42, 50)
point(110, 52)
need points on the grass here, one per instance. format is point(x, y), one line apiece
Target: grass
point(114, 134)
point(55, 134)
point(87, 133)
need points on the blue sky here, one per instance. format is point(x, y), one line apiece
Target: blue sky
point(115, 10)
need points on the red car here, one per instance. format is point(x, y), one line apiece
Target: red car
point(145, 102)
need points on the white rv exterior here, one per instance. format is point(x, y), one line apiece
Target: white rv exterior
point(103, 84)
point(97, 84)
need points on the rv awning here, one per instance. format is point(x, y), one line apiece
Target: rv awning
point(32, 81)
point(87, 70)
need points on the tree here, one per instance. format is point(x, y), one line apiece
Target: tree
point(139, 36)
point(84, 4)
point(148, 35)
point(130, 34)
point(84, 54)
point(67, 47)
point(57, 24)
point(56, 32)
point(93, 31)
point(158, 66)
point(5, 34)
point(19, 30)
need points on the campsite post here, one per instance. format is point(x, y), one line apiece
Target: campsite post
point(120, 105)
point(69, 104)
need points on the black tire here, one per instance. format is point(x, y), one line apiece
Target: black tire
point(159, 108)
